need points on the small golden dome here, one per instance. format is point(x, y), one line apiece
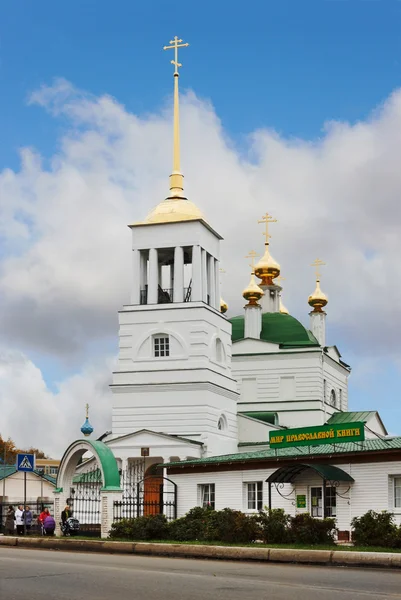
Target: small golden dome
point(223, 306)
point(253, 292)
point(267, 268)
point(173, 210)
point(318, 299)
point(283, 309)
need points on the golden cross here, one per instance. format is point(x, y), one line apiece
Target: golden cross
point(252, 255)
point(317, 263)
point(267, 219)
point(87, 410)
point(175, 44)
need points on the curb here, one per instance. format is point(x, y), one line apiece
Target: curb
point(274, 555)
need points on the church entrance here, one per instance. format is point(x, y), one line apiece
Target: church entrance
point(151, 495)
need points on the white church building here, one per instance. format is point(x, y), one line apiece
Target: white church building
point(197, 395)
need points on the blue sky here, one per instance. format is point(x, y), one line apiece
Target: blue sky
point(286, 65)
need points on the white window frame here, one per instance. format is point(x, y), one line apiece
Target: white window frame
point(254, 495)
point(161, 346)
point(207, 495)
point(323, 507)
point(397, 485)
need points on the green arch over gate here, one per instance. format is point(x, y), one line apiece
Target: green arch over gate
point(106, 458)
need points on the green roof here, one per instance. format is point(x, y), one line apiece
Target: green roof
point(351, 417)
point(277, 328)
point(266, 417)
point(11, 469)
point(372, 445)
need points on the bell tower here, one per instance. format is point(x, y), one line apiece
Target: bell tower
point(174, 367)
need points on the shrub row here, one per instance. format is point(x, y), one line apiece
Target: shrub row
point(376, 529)
point(229, 526)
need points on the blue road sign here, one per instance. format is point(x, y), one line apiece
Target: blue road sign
point(25, 462)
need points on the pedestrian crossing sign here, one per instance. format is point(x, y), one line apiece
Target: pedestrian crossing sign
point(25, 462)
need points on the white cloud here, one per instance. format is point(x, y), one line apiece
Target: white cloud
point(65, 268)
point(35, 416)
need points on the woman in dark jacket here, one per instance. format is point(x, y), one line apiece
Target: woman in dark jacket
point(10, 521)
point(66, 514)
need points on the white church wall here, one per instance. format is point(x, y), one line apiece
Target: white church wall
point(251, 430)
point(336, 378)
point(13, 488)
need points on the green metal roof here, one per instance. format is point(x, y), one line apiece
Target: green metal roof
point(351, 417)
point(266, 417)
point(11, 469)
point(277, 328)
point(374, 445)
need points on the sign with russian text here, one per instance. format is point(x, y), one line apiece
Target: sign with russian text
point(301, 501)
point(313, 436)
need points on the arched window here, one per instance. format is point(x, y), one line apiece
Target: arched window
point(222, 423)
point(220, 353)
point(333, 399)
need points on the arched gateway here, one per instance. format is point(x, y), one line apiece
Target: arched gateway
point(91, 486)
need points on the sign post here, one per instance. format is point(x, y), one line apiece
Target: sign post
point(26, 464)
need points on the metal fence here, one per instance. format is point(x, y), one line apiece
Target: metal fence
point(36, 507)
point(151, 496)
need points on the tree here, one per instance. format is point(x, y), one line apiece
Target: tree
point(9, 451)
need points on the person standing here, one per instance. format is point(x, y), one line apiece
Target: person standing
point(27, 517)
point(9, 524)
point(19, 519)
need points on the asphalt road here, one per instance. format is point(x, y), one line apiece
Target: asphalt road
point(48, 575)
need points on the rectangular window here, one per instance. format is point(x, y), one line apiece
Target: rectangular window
point(207, 495)
point(287, 388)
point(254, 492)
point(161, 346)
point(316, 501)
point(330, 502)
point(397, 492)
point(249, 389)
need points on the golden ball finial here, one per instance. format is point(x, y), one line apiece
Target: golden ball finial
point(267, 268)
point(318, 299)
point(223, 306)
point(252, 293)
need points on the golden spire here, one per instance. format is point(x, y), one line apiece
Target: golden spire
point(283, 309)
point(176, 177)
point(175, 208)
point(318, 299)
point(252, 292)
point(267, 268)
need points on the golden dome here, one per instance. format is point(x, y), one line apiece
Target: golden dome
point(318, 299)
point(283, 309)
point(173, 210)
point(252, 292)
point(267, 268)
point(223, 306)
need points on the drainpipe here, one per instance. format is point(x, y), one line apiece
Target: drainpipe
point(324, 388)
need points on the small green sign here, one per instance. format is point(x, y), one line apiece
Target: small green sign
point(313, 436)
point(301, 501)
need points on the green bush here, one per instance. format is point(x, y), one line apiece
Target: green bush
point(273, 526)
point(232, 526)
point(376, 529)
point(152, 527)
point(304, 529)
point(192, 527)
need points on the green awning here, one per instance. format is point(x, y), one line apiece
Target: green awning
point(327, 472)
